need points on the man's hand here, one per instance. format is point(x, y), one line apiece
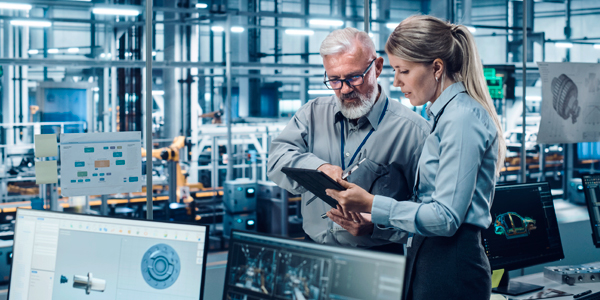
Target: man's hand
point(354, 198)
point(355, 223)
point(335, 172)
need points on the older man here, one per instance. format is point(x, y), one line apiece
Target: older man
point(332, 133)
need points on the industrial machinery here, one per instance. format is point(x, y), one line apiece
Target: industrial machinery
point(239, 198)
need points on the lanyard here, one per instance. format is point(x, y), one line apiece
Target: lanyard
point(364, 140)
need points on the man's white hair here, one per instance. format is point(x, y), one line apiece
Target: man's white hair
point(343, 40)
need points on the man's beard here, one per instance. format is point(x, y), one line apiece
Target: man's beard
point(358, 109)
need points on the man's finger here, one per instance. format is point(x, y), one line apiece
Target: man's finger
point(344, 183)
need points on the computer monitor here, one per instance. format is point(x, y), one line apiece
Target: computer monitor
point(591, 188)
point(524, 232)
point(61, 256)
point(261, 267)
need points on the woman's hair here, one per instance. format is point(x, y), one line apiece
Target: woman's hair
point(423, 39)
point(343, 40)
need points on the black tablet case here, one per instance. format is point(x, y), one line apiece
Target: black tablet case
point(315, 181)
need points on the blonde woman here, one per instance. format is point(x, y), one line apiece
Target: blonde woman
point(437, 62)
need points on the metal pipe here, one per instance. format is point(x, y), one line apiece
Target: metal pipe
point(228, 109)
point(149, 198)
point(367, 16)
point(523, 157)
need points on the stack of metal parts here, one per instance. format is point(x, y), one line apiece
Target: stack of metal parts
point(585, 273)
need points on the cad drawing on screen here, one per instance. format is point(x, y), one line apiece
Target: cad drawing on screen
point(512, 225)
point(86, 282)
point(161, 266)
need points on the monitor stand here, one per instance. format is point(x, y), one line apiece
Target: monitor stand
point(514, 288)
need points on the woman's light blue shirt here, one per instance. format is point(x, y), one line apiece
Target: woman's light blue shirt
point(457, 172)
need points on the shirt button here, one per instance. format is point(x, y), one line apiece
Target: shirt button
point(347, 154)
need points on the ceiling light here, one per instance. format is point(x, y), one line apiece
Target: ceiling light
point(391, 26)
point(153, 53)
point(321, 92)
point(217, 28)
point(73, 50)
point(116, 11)
point(371, 34)
point(471, 29)
point(596, 46)
point(201, 5)
point(237, 29)
point(95, 89)
point(33, 51)
point(299, 32)
point(158, 93)
point(53, 51)
point(564, 45)
point(30, 23)
point(4, 5)
point(323, 22)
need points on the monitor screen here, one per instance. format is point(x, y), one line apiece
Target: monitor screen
point(62, 256)
point(524, 231)
point(261, 267)
point(591, 188)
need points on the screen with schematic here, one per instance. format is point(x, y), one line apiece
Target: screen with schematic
point(524, 229)
point(591, 188)
point(61, 256)
point(263, 267)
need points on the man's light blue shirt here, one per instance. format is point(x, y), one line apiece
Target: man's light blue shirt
point(457, 171)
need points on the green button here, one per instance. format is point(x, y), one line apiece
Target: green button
point(82, 174)
point(79, 164)
point(88, 149)
point(119, 147)
point(120, 162)
point(117, 154)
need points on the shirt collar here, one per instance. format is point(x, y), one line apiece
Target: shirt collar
point(372, 116)
point(444, 98)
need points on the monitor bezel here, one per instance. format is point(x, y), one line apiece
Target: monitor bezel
point(534, 260)
point(301, 242)
point(588, 203)
point(206, 240)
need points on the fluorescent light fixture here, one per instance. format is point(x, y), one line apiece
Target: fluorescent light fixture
point(371, 34)
point(201, 5)
point(321, 92)
point(73, 50)
point(391, 26)
point(158, 93)
point(95, 89)
point(471, 29)
point(596, 46)
point(322, 22)
point(53, 51)
point(217, 28)
point(153, 53)
point(16, 6)
point(299, 32)
point(30, 23)
point(102, 55)
point(237, 29)
point(533, 98)
point(564, 45)
point(115, 11)
point(33, 51)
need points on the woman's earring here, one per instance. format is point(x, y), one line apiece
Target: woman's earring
point(436, 79)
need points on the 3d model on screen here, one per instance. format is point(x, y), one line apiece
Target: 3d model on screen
point(255, 271)
point(512, 225)
point(161, 266)
point(565, 100)
point(301, 277)
point(87, 283)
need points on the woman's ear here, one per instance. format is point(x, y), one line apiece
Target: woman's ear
point(438, 68)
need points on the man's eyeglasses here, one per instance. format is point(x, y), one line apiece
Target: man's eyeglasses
point(356, 80)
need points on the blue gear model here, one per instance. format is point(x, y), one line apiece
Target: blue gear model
point(161, 266)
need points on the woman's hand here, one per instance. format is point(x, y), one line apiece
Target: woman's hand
point(354, 198)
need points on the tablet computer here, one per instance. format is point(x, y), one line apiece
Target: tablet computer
point(315, 181)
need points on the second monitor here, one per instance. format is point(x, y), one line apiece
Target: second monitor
point(524, 232)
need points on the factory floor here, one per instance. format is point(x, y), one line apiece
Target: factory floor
point(575, 234)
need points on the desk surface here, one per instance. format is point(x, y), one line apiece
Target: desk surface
point(539, 279)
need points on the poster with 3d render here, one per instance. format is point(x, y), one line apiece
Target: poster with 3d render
point(100, 163)
point(570, 103)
